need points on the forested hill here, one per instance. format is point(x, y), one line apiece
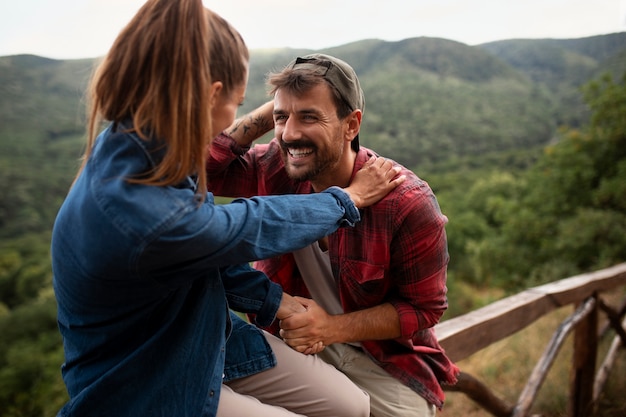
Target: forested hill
point(427, 99)
point(560, 64)
point(571, 61)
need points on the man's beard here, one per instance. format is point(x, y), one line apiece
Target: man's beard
point(321, 164)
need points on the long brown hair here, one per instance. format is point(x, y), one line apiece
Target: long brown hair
point(158, 73)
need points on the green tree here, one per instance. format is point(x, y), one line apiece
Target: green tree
point(31, 354)
point(571, 214)
point(31, 350)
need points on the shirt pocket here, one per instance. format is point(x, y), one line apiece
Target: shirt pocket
point(367, 280)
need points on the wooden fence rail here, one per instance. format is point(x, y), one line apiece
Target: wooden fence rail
point(465, 335)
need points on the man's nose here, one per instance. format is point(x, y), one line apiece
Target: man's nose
point(291, 130)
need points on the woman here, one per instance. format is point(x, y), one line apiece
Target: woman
point(145, 264)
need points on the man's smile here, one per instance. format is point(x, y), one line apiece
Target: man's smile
point(297, 153)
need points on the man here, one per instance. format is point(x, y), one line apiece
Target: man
point(374, 292)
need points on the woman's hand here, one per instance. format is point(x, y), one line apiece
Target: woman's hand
point(373, 181)
point(288, 307)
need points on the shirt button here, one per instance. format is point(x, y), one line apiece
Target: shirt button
point(211, 393)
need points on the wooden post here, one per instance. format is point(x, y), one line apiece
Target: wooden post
point(584, 365)
point(481, 395)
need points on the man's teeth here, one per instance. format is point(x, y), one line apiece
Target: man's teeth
point(300, 153)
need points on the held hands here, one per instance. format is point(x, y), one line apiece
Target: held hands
point(290, 307)
point(310, 331)
point(373, 181)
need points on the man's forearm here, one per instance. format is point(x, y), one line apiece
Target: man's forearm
point(376, 323)
point(316, 325)
point(253, 125)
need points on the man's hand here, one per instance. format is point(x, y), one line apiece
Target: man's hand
point(290, 307)
point(309, 331)
point(373, 181)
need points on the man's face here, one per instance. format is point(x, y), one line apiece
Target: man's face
point(310, 134)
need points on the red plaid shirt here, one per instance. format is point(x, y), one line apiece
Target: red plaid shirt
point(397, 254)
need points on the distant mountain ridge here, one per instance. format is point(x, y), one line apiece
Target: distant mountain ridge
point(428, 100)
point(575, 59)
point(444, 57)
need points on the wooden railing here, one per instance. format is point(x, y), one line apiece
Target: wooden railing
point(465, 335)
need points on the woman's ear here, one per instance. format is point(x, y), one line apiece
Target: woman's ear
point(216, 90)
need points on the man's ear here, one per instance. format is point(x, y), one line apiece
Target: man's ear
point(354, 124)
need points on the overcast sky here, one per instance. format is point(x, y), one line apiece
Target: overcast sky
point(68, 29)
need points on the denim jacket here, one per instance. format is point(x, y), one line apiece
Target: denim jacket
point(247, 350)
point(144, 277)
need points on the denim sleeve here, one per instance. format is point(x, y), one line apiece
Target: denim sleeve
point(257, 228)
point(250, 291)
point(351, 215)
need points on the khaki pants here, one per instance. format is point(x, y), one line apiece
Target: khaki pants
point(299, 385)
point(388, 396)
